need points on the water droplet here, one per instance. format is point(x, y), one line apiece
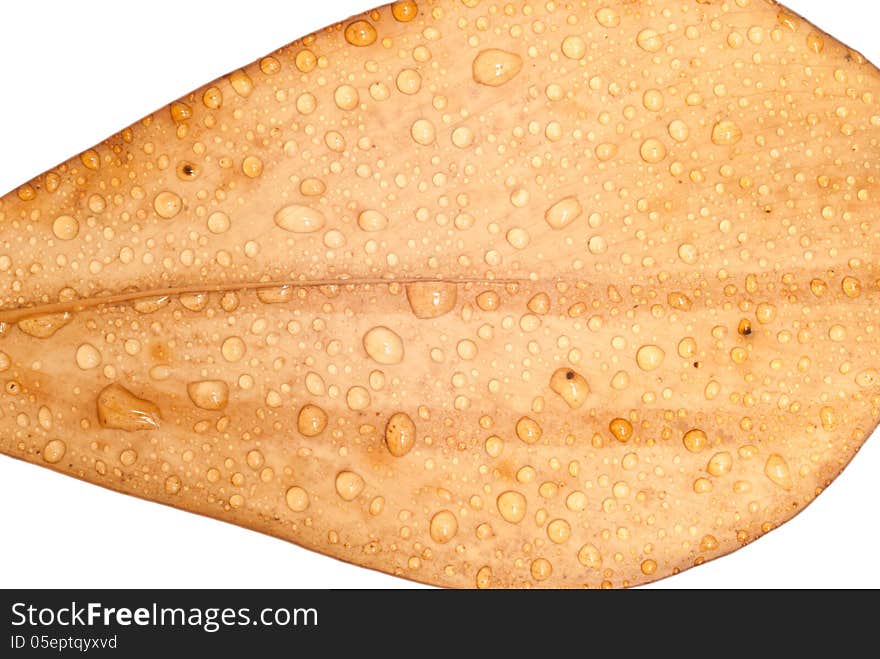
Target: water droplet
point(372, 220)
point(400, 434)
point(726, 133)
point(650, 357)
point(695, 440)
point(574, 47)
point(172, 485)
point(607, 17)
point(208, 394)
point(311, 420)
point(383, 345)
point(423, 132)
point(512, 506)
point(815, 42)
point(431, 299)
point(541, 569)
point(299, 219)
point(297, 499)
point(649, 567)
point(528, 430)
point(54, 451)
point(444, 526)
point(349, 485)
point(494, 67)
point(649, 40)
point(120, 409)
point(563, 213)
point(589, 556)
point(776, 469)
point(360, 33)
point(241, 83)
point(346, 97)
point(404, 11)
point(559, 531)
point(652, 151)
point(621, 429)
point(252, 167)
point(87, 356)
point(571, 386)
point(167, 205)
point(233, 349)
point(484, 577)
point(720, 464)
point(90, 159)
point(44, 326)
point(65, 227)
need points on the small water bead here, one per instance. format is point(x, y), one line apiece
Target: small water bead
point(167, 205)
point(518, 238)
point(372, 220)
point(559, 531)
point(357, 398)
point(431, 299)
point(180, 112)
point(297, 499)
point(678, 131)
point(299, 219)
point(512, 506)
point(409, 81)
point(571, 386)
point(349, 485)
point(815, 42)
point(462, 137)
point(574, 47)
point(311, 420)
point(346, 97)
point(360, 33)
point(208, 394)
point(54, 451)
point(218, 222)
point(252, 167)
point(650, 357)
point(695, 440)
point(649, 40)
point(621, 429)
point(241, 83)
point(400, 434)
point(494, 67)
point(172, 485)
point(212, 98)
point(649, 567)
point(726, 133)
point(776, 469)
point(528, 430)
point(383, 345)
point(720, 464)
point(541, 569)
point(423, 132)
point(444, 526)
point(563, 213)
point(90, 159)
point(65, 227)
point(404, 11)
point(45, 325)
point(119, 408)
point(87, 356)
point(652, 151)
point(607, 17)
point(588, 556)
point(233, 349)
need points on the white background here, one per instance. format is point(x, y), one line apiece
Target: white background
point(71, 73)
